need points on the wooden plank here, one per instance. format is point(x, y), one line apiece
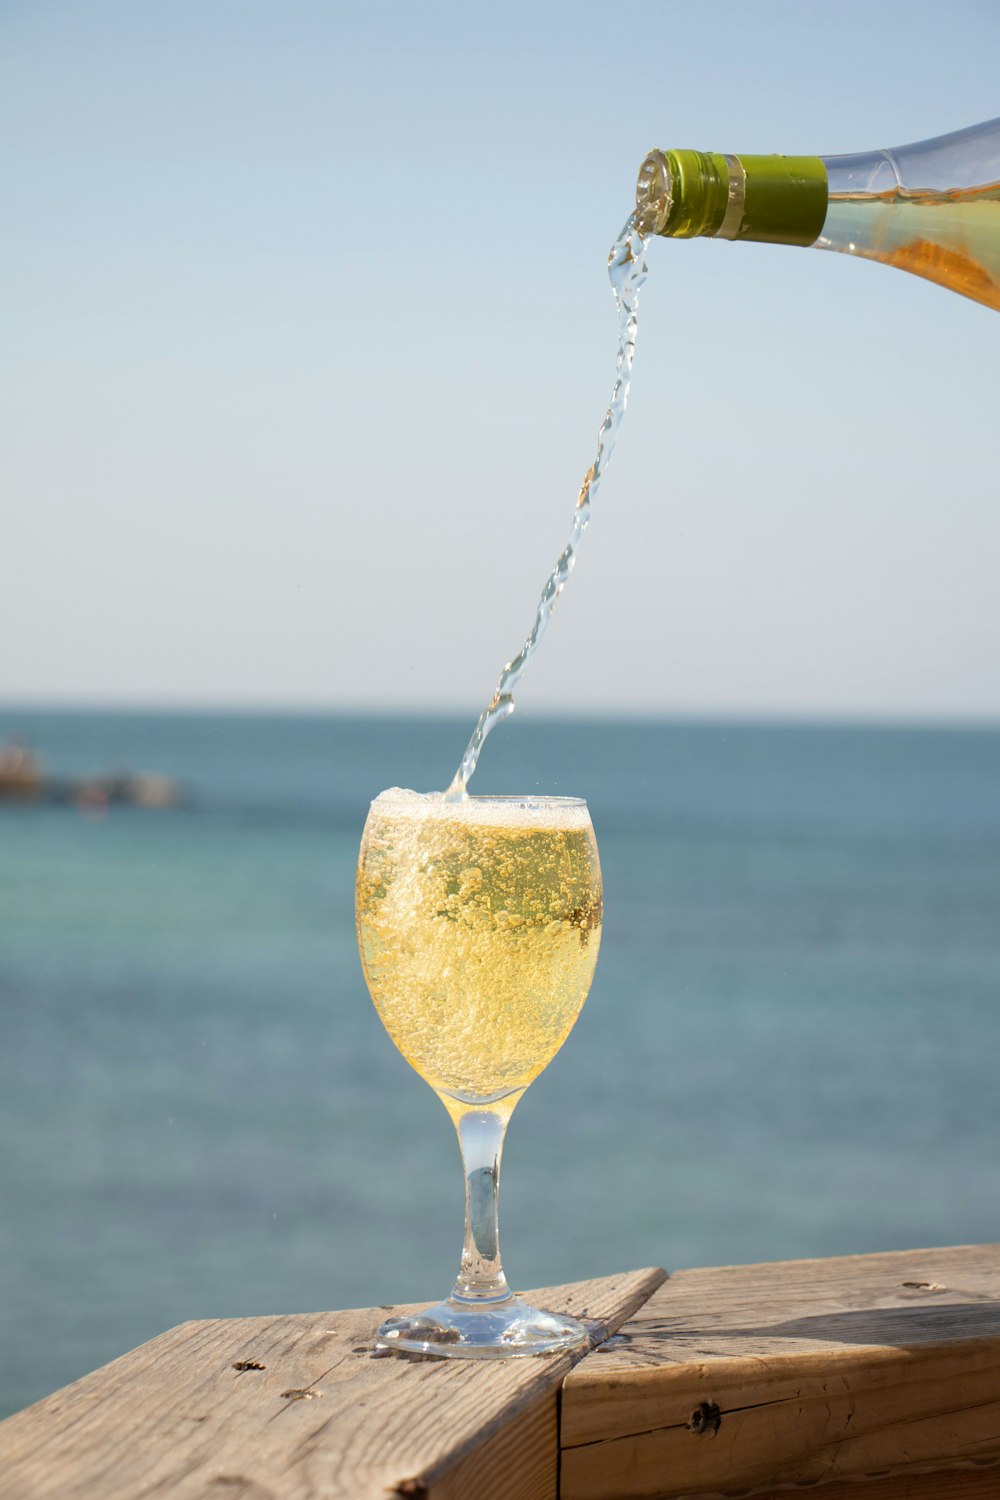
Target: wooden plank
point(945, 1484)
point(520, 1462)
point(738, 1379)
point(316, 1415)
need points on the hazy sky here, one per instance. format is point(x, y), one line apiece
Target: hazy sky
point(307, 336)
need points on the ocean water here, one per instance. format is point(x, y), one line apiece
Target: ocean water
point(791, 1047)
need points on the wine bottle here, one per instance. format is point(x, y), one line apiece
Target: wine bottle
point(932, 208)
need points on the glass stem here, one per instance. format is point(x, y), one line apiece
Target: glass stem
point(480, 1135)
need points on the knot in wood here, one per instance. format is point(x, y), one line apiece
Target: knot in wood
point(706, 1417)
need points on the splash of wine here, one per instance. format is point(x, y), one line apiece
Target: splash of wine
point(627, 270)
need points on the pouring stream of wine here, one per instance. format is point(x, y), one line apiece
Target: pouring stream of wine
point(627, 270)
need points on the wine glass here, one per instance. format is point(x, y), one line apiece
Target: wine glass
point(479, 922)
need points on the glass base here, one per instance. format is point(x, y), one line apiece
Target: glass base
point(459, 1329)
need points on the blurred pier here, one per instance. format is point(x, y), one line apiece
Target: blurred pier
point(23, 778)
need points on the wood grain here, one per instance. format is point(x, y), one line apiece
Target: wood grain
point(739, 1379)
point(322, 1418)
point(945, 1484)
point(520, 1462)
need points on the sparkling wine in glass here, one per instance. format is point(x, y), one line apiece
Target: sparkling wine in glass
point(479, 922)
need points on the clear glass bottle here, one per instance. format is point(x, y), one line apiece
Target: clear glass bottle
point(932, 208)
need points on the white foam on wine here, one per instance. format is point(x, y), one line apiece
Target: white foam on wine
point(527, 812)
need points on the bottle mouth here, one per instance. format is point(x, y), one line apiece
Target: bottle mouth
point(653, 194)
point(687, 193)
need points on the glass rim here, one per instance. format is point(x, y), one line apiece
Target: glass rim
point(537, 801)
point(545, 797)
point(525, 797)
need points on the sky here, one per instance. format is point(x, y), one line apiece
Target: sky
point(307, 335)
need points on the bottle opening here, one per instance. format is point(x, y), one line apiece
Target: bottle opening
point(653, 194)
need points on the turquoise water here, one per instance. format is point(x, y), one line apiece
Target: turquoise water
point(790, 1048)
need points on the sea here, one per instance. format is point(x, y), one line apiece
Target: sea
point(791, 1047)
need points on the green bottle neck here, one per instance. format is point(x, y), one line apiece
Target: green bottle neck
point(781, 200)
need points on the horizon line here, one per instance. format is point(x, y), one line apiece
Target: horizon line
point(764, 717)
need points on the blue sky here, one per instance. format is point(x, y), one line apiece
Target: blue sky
point(307, 337)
